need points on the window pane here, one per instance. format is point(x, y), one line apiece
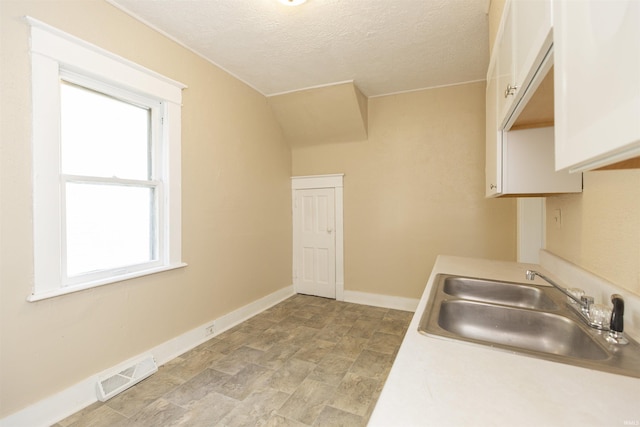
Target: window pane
point(103, 136)
point(108, 226)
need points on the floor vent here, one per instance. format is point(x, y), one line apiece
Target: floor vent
point(113, 384)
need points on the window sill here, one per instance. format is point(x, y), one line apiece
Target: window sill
point(90, 285)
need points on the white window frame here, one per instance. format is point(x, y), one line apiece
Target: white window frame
point(155, 182)
point(56, 55)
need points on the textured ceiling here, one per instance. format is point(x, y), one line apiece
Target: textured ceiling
point(384, 46)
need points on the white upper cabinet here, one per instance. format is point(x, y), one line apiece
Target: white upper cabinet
point(493, 153)
point(532, 35)
point(523, 40)
point(521, 162)
point(597, 82)
point(505, 66)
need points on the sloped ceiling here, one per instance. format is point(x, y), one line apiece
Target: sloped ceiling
point(331, 114)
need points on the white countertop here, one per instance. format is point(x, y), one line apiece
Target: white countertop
point(440, 382)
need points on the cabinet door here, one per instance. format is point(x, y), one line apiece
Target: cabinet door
point(505, 67)
point(597, 82)
point(532, 38)
point(493, 144)
point(524, 40)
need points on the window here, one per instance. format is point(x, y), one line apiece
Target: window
point(109, 186)
point(106, 163)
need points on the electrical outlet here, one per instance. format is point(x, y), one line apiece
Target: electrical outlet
point(210, 330)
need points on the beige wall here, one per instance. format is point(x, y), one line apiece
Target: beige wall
point(415, 189)
point(236, 213)
point(495, 15)
point(600, 228)
point(412, 191)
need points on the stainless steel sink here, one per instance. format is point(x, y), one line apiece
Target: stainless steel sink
point(530, 320)
point(515, 327)
point(512, 294)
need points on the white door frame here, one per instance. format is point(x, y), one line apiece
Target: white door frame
point(334, 181)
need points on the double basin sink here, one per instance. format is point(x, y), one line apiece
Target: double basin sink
point(531, 320)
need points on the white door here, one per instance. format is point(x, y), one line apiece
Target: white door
point(314, 242)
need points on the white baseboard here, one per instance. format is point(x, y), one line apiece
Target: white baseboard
point(379, 300)
point(71, 400)
point(230, 320)
point(175, 347)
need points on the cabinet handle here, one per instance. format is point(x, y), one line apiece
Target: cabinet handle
point(492, 186)
point(510, 90)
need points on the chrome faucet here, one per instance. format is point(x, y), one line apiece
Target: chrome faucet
point(584, 302)
point(616, 325)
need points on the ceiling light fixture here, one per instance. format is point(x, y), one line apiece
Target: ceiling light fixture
point(292, 2)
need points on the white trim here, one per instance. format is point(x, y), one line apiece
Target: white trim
point(112, 279)
point(317, 181)
point(238, 316)
point(403, 92)
point(335, 181)
point(46, 191)
point(379, 300)
point(177, 346)
point(339, 218)
point(67, 49)
point(286, 92)
point(57, 407)
point(172, 189)
point(55, 53)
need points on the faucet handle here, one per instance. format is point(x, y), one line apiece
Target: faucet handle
point(587, 302)
point(616, 326)
point(617, 313)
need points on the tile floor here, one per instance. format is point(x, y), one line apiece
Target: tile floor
point(307, 361)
